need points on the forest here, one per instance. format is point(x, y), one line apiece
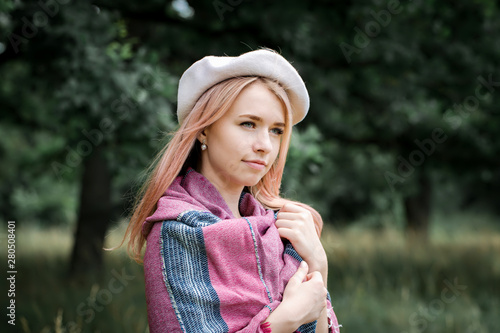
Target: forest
point(399, 152)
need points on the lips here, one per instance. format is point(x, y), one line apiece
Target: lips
point(256, 164)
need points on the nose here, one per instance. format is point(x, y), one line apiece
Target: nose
point(263, 142)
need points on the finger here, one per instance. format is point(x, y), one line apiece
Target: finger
point(283, 223)
point(300, 274)
point(287, 233)
point(291, 207)
point(301, 214)
point(315, 275)
point(288, 216)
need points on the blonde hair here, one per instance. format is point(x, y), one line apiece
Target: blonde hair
point(182, 152)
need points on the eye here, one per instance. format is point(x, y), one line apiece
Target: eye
point(248, 124)
point(277, 131)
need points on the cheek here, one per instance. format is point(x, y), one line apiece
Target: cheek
point(229, 153)
point(276, 148)
point(239, 144)
point(274, 155)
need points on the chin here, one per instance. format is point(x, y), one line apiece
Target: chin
point(250, 180)
point(253, 181)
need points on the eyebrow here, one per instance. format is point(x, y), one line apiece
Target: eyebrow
point(256, 118)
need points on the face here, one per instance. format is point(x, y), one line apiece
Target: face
point(244, 143)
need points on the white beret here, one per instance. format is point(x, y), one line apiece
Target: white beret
point(211, 70)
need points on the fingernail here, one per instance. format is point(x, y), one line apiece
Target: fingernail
point(303, 263)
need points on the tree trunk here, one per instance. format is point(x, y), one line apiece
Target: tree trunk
point(93, 216)
point(417, 210)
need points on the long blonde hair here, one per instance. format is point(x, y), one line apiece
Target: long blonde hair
point(182, 152)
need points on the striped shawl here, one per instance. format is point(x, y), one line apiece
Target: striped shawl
point(206, 271)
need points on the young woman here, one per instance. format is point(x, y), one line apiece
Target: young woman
point(225, 253)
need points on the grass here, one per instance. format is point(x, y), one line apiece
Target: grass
point(378, 283)
point(46, 301)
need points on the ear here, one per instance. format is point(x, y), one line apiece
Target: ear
point(202, 135)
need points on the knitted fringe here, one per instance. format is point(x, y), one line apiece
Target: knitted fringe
point(266, 327)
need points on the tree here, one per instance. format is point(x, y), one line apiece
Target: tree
point(100, 99)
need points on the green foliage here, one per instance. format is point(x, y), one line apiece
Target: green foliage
point(97, 88)
point(333, 179)
point(422, 66)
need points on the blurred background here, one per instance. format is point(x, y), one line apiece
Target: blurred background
point(399, 153)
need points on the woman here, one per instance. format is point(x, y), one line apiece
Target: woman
point(225, 253)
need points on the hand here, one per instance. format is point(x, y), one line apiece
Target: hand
point(296, 224)
point(304, 300)
point(308, 297)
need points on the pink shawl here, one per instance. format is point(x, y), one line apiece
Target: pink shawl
point(206, 271)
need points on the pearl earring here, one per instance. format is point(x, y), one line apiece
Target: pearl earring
point(203, 145)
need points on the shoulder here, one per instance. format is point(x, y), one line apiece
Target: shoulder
point(198, 217)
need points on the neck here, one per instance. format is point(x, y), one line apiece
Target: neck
point(232, 200)
point(231, 195)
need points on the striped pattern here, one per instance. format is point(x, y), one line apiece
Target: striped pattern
point(291, 252)
point(185, 271)
point(309, 327)
point(259, 268)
